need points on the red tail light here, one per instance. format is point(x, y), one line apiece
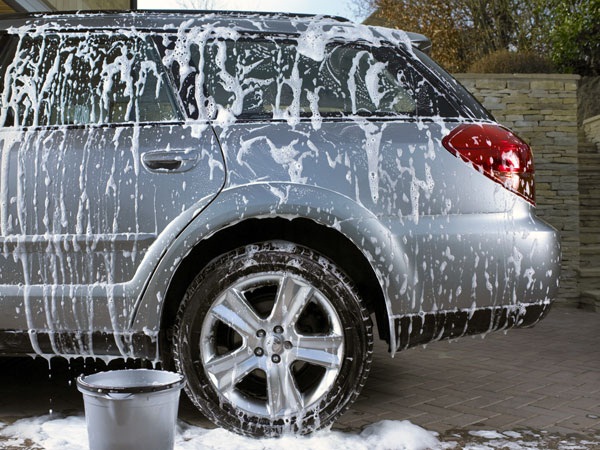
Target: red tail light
point(498, 153)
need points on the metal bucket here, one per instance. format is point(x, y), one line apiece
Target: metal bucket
point(131, 409)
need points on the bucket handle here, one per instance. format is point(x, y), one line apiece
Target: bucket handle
point(118, 395)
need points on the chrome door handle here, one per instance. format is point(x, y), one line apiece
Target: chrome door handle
point(170, 160)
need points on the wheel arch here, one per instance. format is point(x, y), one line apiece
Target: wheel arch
point(345, 232)
point(306, 232)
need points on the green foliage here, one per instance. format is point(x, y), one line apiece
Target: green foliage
point(504, 61)
point(463, 31)
point(433, 18)
point(575, 37)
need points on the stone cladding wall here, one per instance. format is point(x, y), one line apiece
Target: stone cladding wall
point(542, 109)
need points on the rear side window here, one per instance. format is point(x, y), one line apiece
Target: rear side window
point(269, 78)
point(272, 79)
point(59, 79)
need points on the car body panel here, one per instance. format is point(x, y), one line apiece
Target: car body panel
point(449, 258)
point(77, 227)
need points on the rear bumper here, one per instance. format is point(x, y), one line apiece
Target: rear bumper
point(471, 274)
point(421, 329)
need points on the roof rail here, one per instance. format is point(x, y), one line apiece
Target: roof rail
point(245, 13)
point(182, 11)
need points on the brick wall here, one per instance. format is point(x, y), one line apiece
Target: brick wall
point(542, 109)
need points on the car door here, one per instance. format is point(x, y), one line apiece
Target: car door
point(96, 163)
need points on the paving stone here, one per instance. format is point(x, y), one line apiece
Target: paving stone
point(581, 424)
point(585, 403)
point(542, 422)
point(553, 401)
point(502, 422)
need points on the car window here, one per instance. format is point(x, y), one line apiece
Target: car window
point(463, 102)
point(60, 79)
point(274, 79)
point(355, 82)
point(270, 78)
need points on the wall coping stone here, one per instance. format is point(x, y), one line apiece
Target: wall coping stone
point(591, 120)
point(591, 127)
point(510, 76)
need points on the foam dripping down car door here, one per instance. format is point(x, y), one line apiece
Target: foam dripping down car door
point(96, 164)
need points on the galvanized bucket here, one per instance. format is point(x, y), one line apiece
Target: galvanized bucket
point(131, 409)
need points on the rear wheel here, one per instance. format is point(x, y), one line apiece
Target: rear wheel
point(272, 338)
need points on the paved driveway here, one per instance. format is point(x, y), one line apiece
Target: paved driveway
point(545, 379)
point(542, 378)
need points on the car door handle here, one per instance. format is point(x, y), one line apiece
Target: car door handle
point(170, 160)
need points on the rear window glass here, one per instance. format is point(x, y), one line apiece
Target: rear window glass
point(269, 78)
point(464, 101)
point(61, 79)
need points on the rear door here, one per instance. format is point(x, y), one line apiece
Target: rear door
point(96, 162)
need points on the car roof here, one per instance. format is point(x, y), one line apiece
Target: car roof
point(241, 21)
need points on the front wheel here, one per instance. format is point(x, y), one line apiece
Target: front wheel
point(272, 338)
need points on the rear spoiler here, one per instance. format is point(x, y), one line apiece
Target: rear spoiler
point(419, 41)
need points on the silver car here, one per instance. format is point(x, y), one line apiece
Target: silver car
point(240, 196)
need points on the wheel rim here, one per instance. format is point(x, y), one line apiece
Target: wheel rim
point(272, 345)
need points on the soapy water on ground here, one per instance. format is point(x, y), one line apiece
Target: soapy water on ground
point(55, 432)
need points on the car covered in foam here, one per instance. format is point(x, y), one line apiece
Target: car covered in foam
point(241, 197)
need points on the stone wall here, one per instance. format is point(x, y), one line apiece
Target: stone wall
point(542, 109)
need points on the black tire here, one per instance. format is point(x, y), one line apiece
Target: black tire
point(263, 364)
